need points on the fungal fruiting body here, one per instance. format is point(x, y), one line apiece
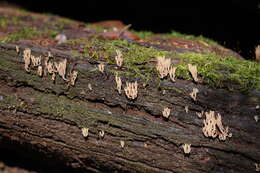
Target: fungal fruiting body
point(257, 167)
point(36, 61)
point(122, 144)
point(200, 114)
point(256, 118)
point(102, 133)
point(90, 86)
point(119, 58)
point(193, 94)
point(61, 68)
point(84, 131)
point(17, 49)
point(131, 90)
point(27, 59)
point(101, 67)
point(213, 127)
point(163, 66)
point(73, 76)
point(166, 112)
point(39, 70)
point(194, 72)
point(172, 73)
point(118, 84)
point(186, 148)
point(186, 109)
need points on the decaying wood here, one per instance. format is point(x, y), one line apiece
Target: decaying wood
point(124, 135)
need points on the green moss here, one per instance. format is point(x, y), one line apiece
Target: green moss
point(23, 33)
point(219, 72)
point(143, 34)
point(4, 21)
point(189, 37)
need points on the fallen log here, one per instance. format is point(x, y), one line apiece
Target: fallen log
point(45, 117)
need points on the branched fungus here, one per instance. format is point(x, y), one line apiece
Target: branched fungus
point(17, 49)
point(186, 148)
point(61, 68)
point(39, 70)
point(72, 77)
point(84, 131)
point(27, 59)
point(102, 133)
point(172, 73)
point(131, 90)
point(118, 84)
point(163, 66)
point(166, 112)
point(213, 127)
point(186, 109)
point(194, 72)
point(101, 67)
point(200, 114)
point(193, 94)
point(122, 144)
point(119, 58)
point(36, 61)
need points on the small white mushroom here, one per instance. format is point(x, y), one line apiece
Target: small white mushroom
point(101, 133)
point(166, 112)
point(122, 144)
point(17, 49)
point(101, 67)
point(90, 86)
point(73, 76)
point(186, 109)
point(186, 148)
point(193, 71)
point(257, 167)
point(193, 94)
point(200, 114)
point(119, 58)
point(172, 73)
point(256, 118)
point(84, 131)
point(118, 84)
point(39, 70)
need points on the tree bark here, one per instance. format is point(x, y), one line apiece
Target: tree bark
point(43, 119)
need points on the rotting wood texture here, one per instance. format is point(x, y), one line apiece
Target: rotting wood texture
point(48, 116)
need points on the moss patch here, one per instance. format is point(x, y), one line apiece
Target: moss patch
point(189, 37)
point(23, 33)
point(218, 72)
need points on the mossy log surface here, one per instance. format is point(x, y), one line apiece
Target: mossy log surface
point(43, 119)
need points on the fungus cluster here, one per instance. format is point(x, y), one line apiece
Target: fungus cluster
point(163, 66)
point(47, 65)
point(131, 90)
point(213, 126)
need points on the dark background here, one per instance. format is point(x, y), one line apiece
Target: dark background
point(233, 23)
